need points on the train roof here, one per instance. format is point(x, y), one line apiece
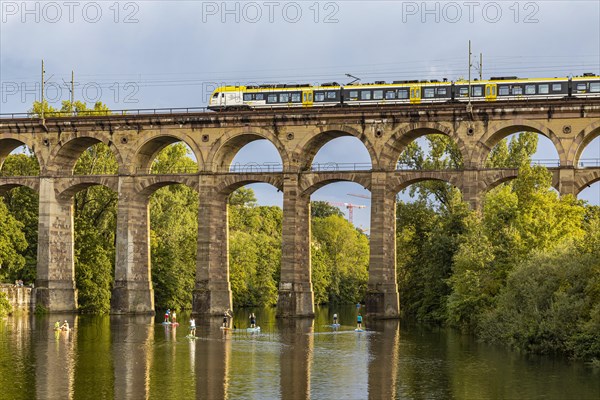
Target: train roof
point(383, 84)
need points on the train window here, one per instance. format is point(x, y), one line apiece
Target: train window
point(284, 97)
point(477, 91)
point(429, 92)
point(503, 91)
point(544, 89)
point(272, 98)
point(320, 96)
point(595, 87)
point(518, 90)
point(441, 91)
point(295, 97)
point(365, 95)
point(464, 92)
point(377, 94)
point(556, 87)
point(353, 95)
point(247, 96)
point(529, 89)
point(402, 93)
point(390, 95)
point(259, 96)
point(581, 87)
point(215, 95)
point(331, 95)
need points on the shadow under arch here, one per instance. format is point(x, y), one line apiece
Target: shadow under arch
point(499, 131)
point(308, 149)
point(309, 186)
point(8, 144)
point(150, 147)
point(64, 157)
point(402, 137)
point(227, 146)
point(582, 140)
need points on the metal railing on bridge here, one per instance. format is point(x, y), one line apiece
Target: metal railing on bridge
point(105, 113)
point(272, 167)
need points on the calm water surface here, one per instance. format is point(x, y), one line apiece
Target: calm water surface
point(121, 357)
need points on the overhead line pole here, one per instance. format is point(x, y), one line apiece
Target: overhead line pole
point(42, 96)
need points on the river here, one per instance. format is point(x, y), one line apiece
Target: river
point(136, 357)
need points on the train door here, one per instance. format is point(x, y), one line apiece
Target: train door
point(491, 92)
point(307, 98)
point(415, 94)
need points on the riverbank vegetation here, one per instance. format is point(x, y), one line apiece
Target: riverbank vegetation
point(525, 271)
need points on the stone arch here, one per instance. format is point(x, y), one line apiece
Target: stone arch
point(64, 156)
point(405, 180)
point(229, 184)
point(7, 184)
point(501, 130)
point(150, 146)
point(407, 133)
point(144, 188)
point(313, 182)
point(585, 180)
point(582, 140)
point(229, 144)
point(308, 149)
point(10, 142)
point(495, 180)
point(66, 189)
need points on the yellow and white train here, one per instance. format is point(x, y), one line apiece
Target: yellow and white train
point(402, 92)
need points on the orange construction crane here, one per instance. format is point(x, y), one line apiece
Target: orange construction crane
point(350, 207)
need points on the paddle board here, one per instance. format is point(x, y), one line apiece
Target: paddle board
point(257, 329)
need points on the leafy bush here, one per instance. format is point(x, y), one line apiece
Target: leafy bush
point(5, 306)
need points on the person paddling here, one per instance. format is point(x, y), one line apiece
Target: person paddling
point(252, 320)
point(65, 326)
point(192, 327)
point(226, 317)
point(359, 321)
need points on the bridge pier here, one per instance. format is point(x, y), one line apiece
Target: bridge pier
point(382, 300)
point(296, 298)
point(55, 281)
point(566, 181)
point(132, 292)
point(212, 292)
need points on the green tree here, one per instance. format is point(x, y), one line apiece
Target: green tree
point(346, 253)
point(174, 231)
point(12, 243)
point(22, 204)
point(322, 209)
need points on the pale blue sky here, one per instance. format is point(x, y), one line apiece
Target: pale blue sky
point(150, 54)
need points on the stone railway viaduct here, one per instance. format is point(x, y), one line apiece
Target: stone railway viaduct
point(297, 134)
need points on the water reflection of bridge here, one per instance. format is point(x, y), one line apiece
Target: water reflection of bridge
point(122, 358)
